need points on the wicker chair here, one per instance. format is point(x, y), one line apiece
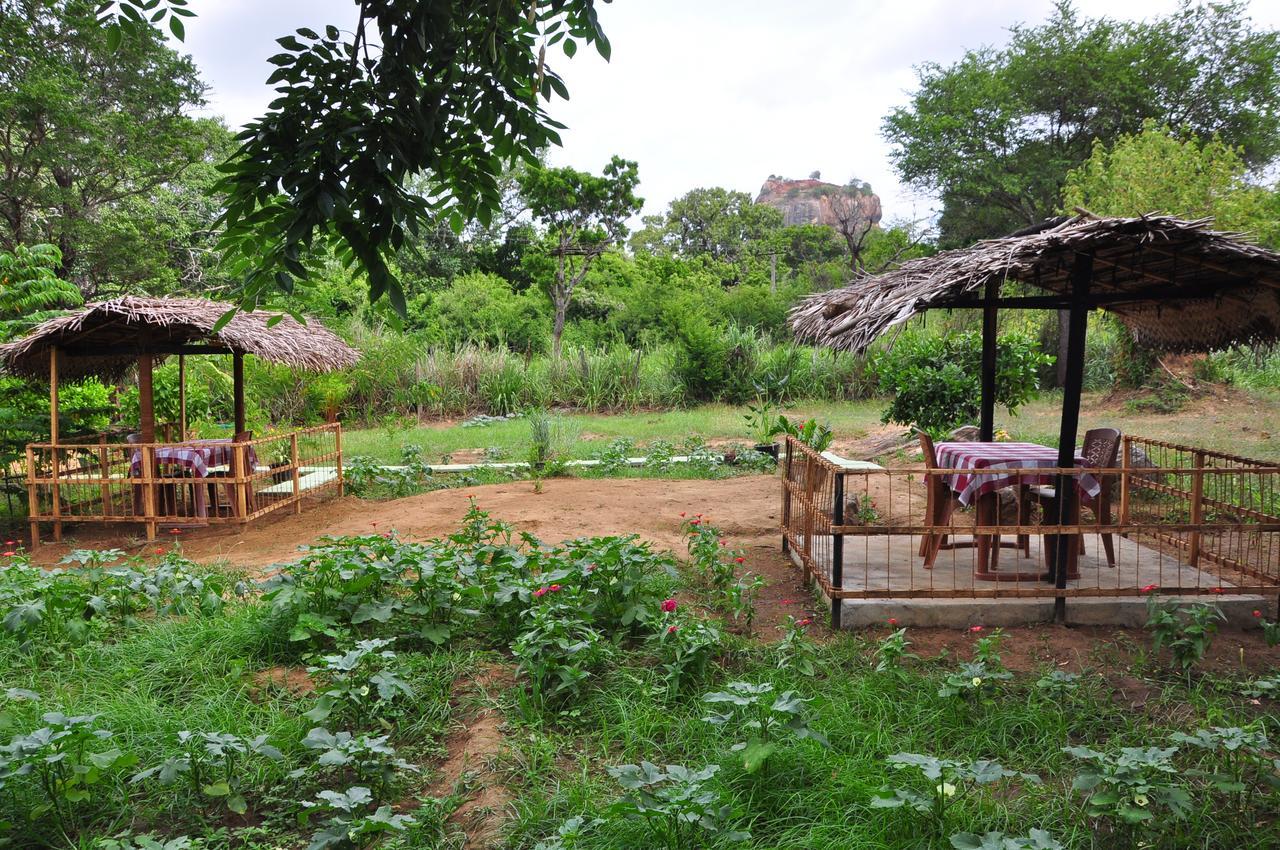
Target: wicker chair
point(1101, 448)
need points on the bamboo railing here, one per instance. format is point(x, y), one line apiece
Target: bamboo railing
point(1187, 522)
point(157, 484)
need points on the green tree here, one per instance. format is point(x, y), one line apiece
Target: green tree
point(450, 91)
point(30, 289)
point(583, 215)
point(89, 137)
point(718, 223)
point(1159, 170)
point(996, 133)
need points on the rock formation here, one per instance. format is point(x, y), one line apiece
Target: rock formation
point(813, 201)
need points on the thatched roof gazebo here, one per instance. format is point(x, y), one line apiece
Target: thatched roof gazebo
point(108, 338)
point(1175, 284)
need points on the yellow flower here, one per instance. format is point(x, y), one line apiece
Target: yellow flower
point(1140, 800)
point(977, 680)
point(946, 789)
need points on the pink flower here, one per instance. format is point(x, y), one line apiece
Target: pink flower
point(11, 543)
point(8, 554)
point(591, 568)
point(1257, 613)
point(806, 621)
point(1150, 588)
point(669, 605)
point(786, 602)
point(540, 592)
point(893, 621)
point(739, 560)
point(695, 522)
point(682, 514)
point(975, 629)
point(671, 630)
point(555, 588)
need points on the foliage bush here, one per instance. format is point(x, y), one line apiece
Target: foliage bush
point(936, 381)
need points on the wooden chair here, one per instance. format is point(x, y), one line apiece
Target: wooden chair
point(940, 504)
point(1100, 450)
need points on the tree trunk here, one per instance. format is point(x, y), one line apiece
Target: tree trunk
point(557, 325)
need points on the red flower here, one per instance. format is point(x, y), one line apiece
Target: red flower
point(159, 551)
point(806, 621)
point(669, 605)
point(695, 522)
point(1257, 613)
point(11, 543)
point(671, 630)
point(8, 554)
point(542, 591)
point(739, 560)
point(975, 629)
point(591, 568)
point(1149, 588)
point(682, 514)
point(699, 516)
point(386, 534)
point(555, 588)
point(786, 602)
point(175, 531)
point(1216, 590)
point(893, 621)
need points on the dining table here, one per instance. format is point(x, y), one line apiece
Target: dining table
point(198, 459)
point(983, 469)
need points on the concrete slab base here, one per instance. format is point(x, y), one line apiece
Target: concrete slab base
point(1123, 611)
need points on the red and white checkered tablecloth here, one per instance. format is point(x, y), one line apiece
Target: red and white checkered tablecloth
point(997, 456)
point(197, 457)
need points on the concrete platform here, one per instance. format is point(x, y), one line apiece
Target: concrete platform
point(890, 563)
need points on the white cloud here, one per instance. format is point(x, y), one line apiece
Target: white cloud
point(706, 93)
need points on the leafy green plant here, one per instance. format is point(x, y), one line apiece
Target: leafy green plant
point(946, 782)
point(1058, 683)
point(892, 650)
point(360, 683)
point(1186, 632)
point(365, 759)
point(762, 717)
point(796, 651)
point(676, 805)
point(351, 824)
point(973, 680)
point(740, 600)
point(213, 763)
point(685, 648)
point(616, 456)
point(1130, 786)
point(812, 433)
point(1036, 839)
point(60, 766)
point(760, 420)
point(556, 649)
point(1239, 760)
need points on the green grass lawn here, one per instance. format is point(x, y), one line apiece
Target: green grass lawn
point(1235, 422)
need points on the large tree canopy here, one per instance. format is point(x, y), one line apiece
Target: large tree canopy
point(996, 133)
point(450, 90)
point(86, 131)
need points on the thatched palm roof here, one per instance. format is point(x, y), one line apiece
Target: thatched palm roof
point(1177, 285)
point(105, 338)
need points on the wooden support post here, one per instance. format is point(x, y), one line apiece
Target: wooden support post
point(33, 499)
point(337, 436)
point(53, 395)
point(837, 551)
point(987, 423)
point(104, 485)
point(243, 480)
point(182, 398)
point(297, 482)
point(237, 389)
point(146, 400)
point(149, 488)
point(1126, 458)
point(1197, 508)
point(1068, 502)
point(786, 497)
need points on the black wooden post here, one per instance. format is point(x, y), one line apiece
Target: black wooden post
point(237, 391)
point(837, 551)
point(987, 425)
point(1077, 324)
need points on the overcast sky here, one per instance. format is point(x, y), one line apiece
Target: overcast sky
point(703, 92)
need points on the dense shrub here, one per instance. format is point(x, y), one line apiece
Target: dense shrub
point(935, 381)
